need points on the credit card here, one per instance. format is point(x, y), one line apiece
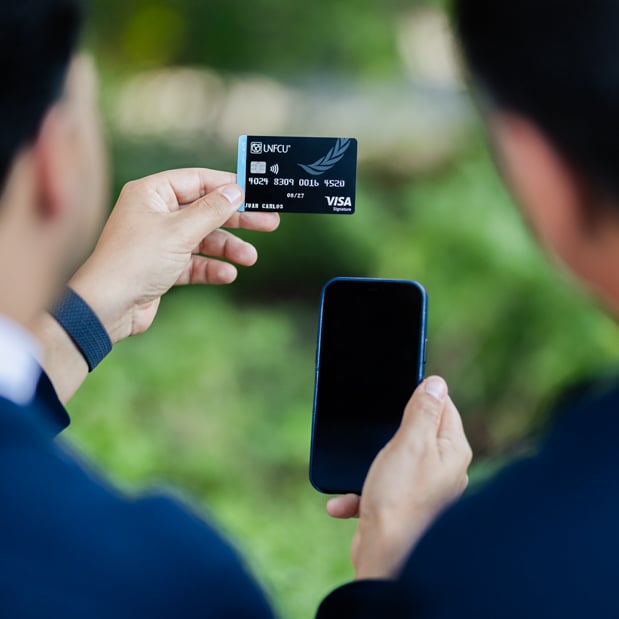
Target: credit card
point(298, 175)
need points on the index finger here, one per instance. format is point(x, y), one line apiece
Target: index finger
point(185, 186)
point(260, 222)
point(344, 507)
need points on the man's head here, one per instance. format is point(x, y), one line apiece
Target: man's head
point(548, 76)
point(51, 160)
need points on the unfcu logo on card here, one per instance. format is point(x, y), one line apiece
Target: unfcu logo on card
point(298, 175)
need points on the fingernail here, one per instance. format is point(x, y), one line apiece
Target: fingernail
point(436, 387)
point(232, 193)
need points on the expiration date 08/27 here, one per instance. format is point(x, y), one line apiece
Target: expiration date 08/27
point(295, 196)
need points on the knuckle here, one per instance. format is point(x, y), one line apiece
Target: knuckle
point(131, 186)
point(467, 454)
point(127, 189)
point(132, 189)
point(464, 483)
point(216, 204)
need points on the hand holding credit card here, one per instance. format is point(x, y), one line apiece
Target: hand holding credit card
point(298, 174)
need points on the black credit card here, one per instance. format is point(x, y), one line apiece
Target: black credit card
point(298, 175)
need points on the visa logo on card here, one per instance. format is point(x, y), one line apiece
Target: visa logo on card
point(298, 175)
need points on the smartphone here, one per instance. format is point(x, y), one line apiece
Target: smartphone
point(370, 358)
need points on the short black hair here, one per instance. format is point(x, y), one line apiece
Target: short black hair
point(556, 62)
point(37, 40)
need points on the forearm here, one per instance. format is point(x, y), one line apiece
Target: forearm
point(62, 361)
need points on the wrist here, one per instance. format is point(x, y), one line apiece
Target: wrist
point(377, 565)
point(104, 301)
point(83, 326)
point(64, 364)
point(381, 556)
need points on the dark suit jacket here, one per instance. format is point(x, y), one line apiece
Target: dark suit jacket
point(539, 541)
point(73, 547)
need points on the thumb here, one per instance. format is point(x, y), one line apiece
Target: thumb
point(209, 213)
point(424, 412)
point(451, 423)
point(452, 439)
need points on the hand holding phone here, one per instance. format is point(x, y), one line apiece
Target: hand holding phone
point(370, 359)
point(413, 480)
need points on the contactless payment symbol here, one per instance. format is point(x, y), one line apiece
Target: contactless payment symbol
point(256, 148)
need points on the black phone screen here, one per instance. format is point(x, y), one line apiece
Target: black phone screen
point(370, 360)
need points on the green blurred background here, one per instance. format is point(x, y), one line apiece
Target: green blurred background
point(215, 401)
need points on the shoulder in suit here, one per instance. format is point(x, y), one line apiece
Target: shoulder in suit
point(71, 546)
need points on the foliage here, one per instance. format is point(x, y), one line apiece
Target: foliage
point(268, 36)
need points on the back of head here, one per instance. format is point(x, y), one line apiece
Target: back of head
point(37, 39)
point(556, 63)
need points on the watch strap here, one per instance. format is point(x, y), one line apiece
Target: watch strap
point(84, 328)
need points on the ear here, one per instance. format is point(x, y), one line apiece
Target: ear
point(54, 154)
point(551, 193)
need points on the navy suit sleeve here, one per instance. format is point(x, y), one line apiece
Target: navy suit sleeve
point(73, 547)
point(367, 599)
point(207, 576)
point(49, 409)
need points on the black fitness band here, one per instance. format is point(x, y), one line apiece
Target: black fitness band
point(82, 325)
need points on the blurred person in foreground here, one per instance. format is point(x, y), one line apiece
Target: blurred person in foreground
point(540, 540)
point(72, 546)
